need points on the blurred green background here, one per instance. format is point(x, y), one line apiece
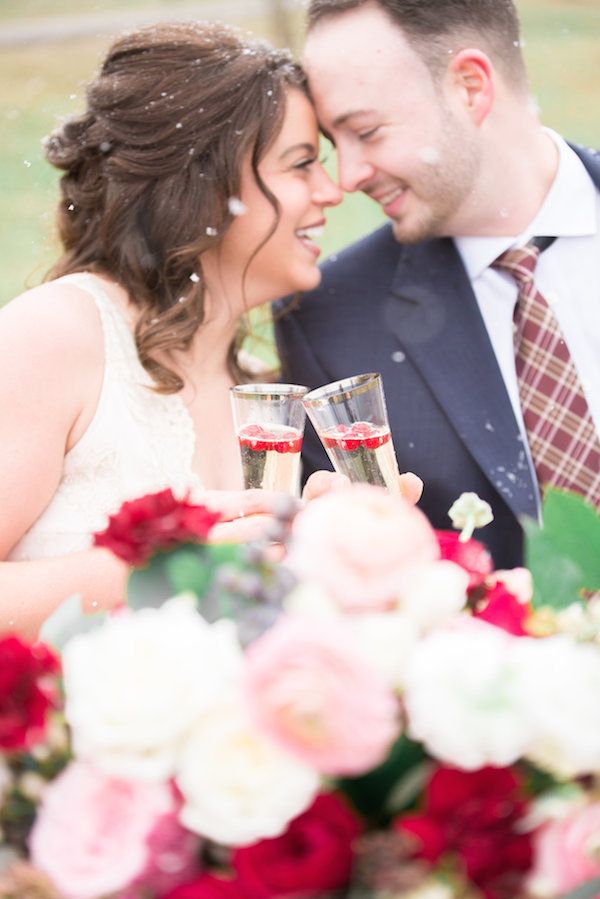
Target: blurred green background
point(46, 57)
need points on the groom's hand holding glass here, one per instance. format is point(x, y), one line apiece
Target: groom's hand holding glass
point(351, 420)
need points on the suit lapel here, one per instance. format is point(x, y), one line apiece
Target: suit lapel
point(591, 160)
point(434, 314)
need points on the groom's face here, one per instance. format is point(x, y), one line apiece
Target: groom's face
point(401, 137)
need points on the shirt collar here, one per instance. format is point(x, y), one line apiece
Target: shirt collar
point(569, 210)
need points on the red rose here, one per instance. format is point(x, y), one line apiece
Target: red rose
point(475, 815)
point(503, 609)
point(157, 521)
point(207, 886)
point(470, 555)
point(26, 692)
point(312, 857)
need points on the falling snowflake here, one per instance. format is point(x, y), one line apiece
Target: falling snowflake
point(236, 207)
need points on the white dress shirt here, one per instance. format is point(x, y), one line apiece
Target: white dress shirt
point(567, 274)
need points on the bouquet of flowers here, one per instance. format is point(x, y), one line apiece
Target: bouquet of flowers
point(381, 714)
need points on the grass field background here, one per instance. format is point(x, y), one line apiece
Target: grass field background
point(44, 80)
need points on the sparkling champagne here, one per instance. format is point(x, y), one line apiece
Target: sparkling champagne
point(364, 452)
point(271, 457)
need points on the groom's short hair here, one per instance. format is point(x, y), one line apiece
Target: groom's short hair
point(492, 25)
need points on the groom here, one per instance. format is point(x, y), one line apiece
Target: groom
point(428, 106)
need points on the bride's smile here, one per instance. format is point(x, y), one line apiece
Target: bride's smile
point(270, 248)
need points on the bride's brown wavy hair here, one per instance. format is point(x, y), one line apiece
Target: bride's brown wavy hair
point(153, 163)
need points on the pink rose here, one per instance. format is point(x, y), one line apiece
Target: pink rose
point(314, 694)
point(91, 833)
point(567, 852)
point(360, 544)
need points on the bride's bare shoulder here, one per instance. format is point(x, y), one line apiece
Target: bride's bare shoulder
point(55, 318)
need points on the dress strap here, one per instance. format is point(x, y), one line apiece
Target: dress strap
point(119, 344)
point(168, 427)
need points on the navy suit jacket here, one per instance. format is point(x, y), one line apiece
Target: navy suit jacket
point(409, 312)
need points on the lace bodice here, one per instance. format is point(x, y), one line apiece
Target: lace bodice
point(138, 442)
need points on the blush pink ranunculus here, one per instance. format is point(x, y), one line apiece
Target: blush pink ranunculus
point(313, 693)
point(361, 543)
point(567, 852)
point(91, 833)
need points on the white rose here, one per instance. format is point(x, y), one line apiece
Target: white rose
point(517, 581)
point(238, 786)
point(580, 622)
point(385, 640)
point(434, 593)
point(560, 694)
point(311, 600)
point(135, 686)
point(462, 697)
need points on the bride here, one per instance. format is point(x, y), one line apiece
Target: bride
point(192, 192)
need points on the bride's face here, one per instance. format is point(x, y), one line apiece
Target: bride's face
point(292, 172)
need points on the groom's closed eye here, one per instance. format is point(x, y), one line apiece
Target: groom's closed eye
point(365, 135)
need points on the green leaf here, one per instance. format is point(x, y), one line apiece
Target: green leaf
point(563, 555)
point(576, 526)
point(369, 793)
point(539, 782)
point(190, 567)
point(589, 890)
point(220, 554)
point(557, 580)
point(149, 587)
point(409, 787)
point(188, 570)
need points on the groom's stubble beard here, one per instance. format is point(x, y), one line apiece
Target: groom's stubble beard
point(443, 188)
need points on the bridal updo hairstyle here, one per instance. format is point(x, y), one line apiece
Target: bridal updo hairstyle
point(153, 167)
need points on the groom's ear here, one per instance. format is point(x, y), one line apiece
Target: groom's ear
point(471, 74)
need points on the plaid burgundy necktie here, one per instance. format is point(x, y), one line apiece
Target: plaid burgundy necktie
point(562, 437)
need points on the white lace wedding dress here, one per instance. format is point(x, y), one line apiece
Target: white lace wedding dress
point(138, 442)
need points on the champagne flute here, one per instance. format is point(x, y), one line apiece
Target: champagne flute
point(351, 420)
point(269, 422)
